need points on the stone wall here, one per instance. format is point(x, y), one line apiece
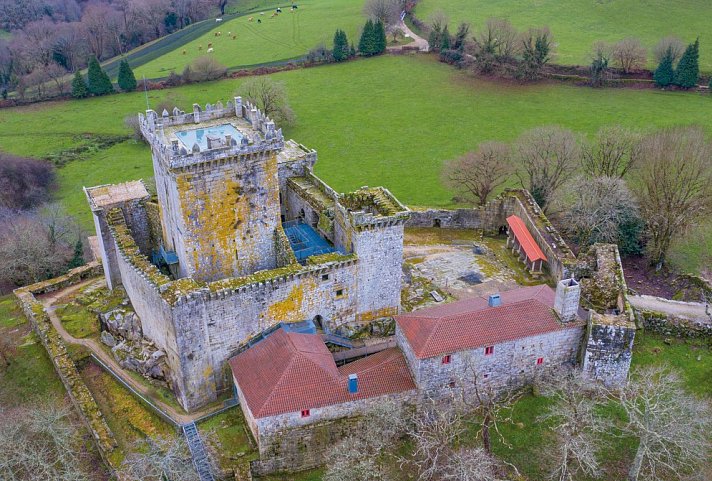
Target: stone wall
point(446, 218)
point(676, 326)
point(512, 364)
point(288, 442)
point(611, 327)
point(609, 349)
point(77, 390)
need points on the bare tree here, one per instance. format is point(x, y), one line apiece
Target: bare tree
point(270, 97)
point(673, 184)
point(672, 44)
point(670, 425)
point(387, 11)
point(611, 153)
point(159, 459)
point(486, 404)
point(96, 27)
point(629, 55)
point(576, 425)
point(601, 209)
point(477, 174)
point(437, 431)
point(58, 76)
point(436, 427)
point(359, 456)
point(549, 157)
point(40, 442)
point(498, 38)
point(33, 247)
point(473, 464)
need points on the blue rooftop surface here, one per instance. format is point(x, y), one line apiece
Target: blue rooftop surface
point(305, 241)
point(200, 136)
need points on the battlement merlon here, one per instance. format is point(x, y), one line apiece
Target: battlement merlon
point(373, 206)
point(107, 196)
point(257, 133)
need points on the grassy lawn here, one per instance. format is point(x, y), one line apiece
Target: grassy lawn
point(127, 417)
point(287, 35)
point(366, 132)
point(29, 376)
point(577, 24)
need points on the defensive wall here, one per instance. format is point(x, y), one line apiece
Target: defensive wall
point(491, 219)
point(200, 325)
point(78, 392)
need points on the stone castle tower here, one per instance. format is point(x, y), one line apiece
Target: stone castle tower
point(218, 212)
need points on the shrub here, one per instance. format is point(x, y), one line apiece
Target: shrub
point(206, 68)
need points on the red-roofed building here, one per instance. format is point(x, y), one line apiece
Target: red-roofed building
point(508, 338)
point(521, 241)
point(289, 381)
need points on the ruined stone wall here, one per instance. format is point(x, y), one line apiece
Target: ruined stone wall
point(446, 218)
point(512, 364)
point(380, 253)
point(609, 349)
point(669, 325)
point(288, 442)
point(79, 394)
point(107, 248)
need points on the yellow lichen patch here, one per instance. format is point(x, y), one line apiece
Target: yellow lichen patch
point(290, 308)
point(377, 314)
point(210, 213)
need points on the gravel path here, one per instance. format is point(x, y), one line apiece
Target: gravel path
point(49, 302)
point(688, 310)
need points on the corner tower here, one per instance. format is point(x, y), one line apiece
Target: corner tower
point(218, 188)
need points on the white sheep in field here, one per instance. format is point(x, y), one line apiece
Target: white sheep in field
point(210, 50)
point(218, 19)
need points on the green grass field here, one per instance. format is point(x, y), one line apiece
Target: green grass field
point(287, 35)
point(577, 24)
point(366, 132)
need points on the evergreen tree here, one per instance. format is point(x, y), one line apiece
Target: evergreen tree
point(435, 38)
point(341, 46)
point(379, 36)
point(127, 80)
point(352, 51)
point(688, 69)
point(79, 86)
point(664, 74)
point(367, 44)
point(78, 257)
point(445, 41)
point(99, 82)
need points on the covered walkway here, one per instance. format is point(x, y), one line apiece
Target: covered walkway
point(521, 241)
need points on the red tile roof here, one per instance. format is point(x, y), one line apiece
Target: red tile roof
point(525, 239)
point(289, 372)
point(471, 323)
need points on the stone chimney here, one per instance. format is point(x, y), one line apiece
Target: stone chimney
point(566, 303)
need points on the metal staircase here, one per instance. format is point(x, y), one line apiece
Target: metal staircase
point(197, 451)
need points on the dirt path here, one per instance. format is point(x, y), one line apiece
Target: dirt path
point(49, 301)
point(689, 310)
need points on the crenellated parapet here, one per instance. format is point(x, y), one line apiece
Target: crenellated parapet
point(259, 135)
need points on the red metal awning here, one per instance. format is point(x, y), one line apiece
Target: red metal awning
point(525, 239)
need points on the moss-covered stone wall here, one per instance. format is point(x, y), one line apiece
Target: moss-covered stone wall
point(77, 390)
